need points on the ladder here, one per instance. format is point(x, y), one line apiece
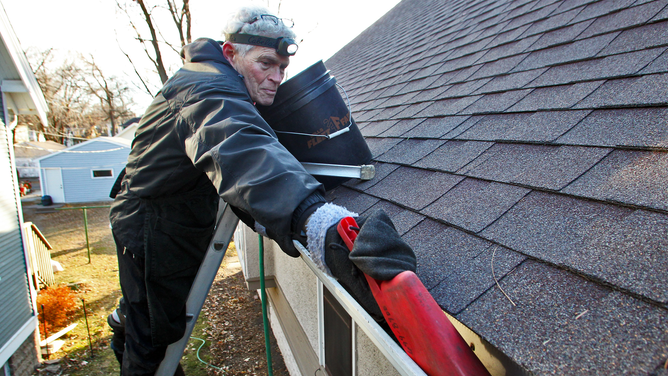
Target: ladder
point(226, 223)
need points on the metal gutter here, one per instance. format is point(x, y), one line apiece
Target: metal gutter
point(394, 354)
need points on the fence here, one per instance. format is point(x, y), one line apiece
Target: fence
point(40, 257)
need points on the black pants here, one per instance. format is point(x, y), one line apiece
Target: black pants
point(140, 357)
point(143, 358)
point(156, 280)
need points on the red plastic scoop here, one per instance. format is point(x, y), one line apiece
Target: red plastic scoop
point(421, 327)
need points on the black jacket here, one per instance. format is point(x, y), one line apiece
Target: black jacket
point(202, 138)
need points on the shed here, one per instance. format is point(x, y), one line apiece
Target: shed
point(84, 172)
point(19, 94)
point(520, 149)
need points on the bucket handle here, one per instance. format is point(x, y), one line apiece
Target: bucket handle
point(332, 135)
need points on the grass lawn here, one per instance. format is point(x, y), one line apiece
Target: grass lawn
point(96, 284)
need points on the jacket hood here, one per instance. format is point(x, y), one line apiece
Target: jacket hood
point(203, 49)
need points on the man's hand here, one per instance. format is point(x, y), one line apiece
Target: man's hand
point(378, 251)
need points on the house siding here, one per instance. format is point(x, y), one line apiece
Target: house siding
point(299, 290)
point(13, 273)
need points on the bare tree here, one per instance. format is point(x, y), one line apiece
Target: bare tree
point(111, 92)
point(145, 18)
point(80, 98)
point(62, 88)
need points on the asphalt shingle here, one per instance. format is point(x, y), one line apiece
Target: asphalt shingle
point(553, 22)
point(378, 146)
point(508, 49)
point(544, 126)
point(410, 151)
point(389, 112)
point(506, 37)
point(351, 199)
point(508, 82)
point(497, 67)
point(447, 106)
point(497, 102)
point(463, 88)
point(425, 186)
point(374, 128)
point(474, 204)
point(641, 127)
point(561, 35)
point(556, 97)
point(581, 235)
point(659, 65)
point(602, 8)
point(403, 219)
point(578, 50)
point(441, 250)
point(645, 90)
point(534, 130)
point(595, 69)
point(623, 19)
point(453, 155)
point(400, 127)
point(560, 320)
point(534, 15)
point(467, 283)
point(436, 127)
point(549, 167)
point(632, 177)
point(411, 110)
point(381, 170)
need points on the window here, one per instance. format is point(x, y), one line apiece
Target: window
point(104, 173)
point(338, 337)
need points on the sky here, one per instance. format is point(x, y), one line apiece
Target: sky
point(96, 28)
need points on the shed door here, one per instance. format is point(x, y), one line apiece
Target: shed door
point(54, 184)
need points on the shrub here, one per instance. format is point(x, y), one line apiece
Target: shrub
point(59, 304)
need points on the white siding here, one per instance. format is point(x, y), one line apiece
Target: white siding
point(15, 307)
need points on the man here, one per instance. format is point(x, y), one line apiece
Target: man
point(200, 140)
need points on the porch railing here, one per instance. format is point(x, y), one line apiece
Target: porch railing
point(40, 257)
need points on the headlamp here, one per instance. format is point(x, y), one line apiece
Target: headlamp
point(283, 46)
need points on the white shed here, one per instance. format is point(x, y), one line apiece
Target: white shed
point(84, 172)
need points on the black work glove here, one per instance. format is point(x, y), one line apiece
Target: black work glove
point(351, 278)
point(379, 251)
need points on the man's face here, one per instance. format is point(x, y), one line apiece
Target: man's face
point(263, 70)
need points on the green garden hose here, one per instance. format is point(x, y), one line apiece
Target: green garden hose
point(265, 319)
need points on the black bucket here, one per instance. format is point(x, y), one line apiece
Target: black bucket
point(314, 123)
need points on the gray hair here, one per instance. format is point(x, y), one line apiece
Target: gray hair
point(239, 23)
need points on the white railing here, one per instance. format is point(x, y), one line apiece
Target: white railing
point(39, 256)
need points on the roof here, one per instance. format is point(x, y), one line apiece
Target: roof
point(129, 131)
point(33, 149)
point(525, 142)
point(17, 81)
point(91, 149)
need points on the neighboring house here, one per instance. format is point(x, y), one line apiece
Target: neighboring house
point(19, 94)
point(521, 148)
point(27, 152)
point(84, 172)
point(129, 129)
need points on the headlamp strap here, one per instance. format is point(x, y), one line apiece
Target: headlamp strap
point(279, 44)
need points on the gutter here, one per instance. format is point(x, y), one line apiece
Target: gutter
point(404, 365)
